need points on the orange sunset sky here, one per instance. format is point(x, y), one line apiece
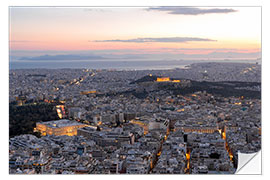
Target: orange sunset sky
point(143, 30)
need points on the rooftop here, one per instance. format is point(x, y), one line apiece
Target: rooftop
point(60, 123)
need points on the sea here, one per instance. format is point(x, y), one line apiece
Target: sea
point(114, 64)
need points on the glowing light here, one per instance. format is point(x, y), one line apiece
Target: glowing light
point(63, 110)
point(231, 156)
point(60, 116)
point(163, 79)
point(188, 161)
point(238, 103)
point(180, 110)
point(224, 135)
point(188, 156)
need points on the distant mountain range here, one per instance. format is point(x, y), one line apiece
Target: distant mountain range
point(168, 56)
point(63, 57)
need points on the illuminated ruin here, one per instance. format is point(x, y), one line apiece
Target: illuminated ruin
point(167, 79)
point(163, 79)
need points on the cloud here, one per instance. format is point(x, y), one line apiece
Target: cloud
point(191, 10)
point(165, 40)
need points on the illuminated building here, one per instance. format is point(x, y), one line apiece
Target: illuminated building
point(199, 129)
point(60, 109)
point(88, 92)
point(59, 127)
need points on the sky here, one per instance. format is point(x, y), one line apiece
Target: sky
point(177, 32)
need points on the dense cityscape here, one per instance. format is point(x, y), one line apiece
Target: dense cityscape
point(191, 120)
